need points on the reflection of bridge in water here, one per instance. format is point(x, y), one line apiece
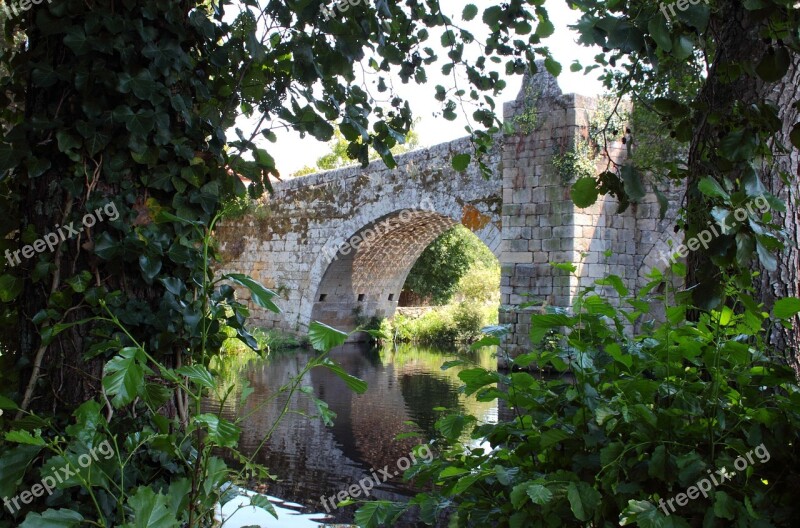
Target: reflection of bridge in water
point(315, 460)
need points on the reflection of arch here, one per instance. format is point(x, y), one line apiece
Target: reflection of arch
point(366, 277)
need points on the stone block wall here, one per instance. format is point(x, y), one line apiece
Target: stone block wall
point(541, 224)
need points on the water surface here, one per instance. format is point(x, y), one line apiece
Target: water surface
point(312, 460)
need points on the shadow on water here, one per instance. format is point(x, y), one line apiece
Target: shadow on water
point(406, 383)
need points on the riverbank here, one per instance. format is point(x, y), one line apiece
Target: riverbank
point(452, 324)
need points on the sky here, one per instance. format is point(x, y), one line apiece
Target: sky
point(291, 152)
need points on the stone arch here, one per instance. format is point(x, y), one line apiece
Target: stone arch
point(364, 268)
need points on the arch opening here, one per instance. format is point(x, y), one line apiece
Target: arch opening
point(365, 277)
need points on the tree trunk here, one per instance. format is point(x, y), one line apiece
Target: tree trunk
point(737, 38)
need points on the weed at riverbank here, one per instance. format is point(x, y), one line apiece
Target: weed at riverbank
point(269, 342)
point(445, 325)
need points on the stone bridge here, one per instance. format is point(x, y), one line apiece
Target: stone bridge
point(338, 245)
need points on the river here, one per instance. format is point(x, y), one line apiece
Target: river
point(312, 460)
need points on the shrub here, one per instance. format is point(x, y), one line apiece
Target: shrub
point(626, 423)
point(481, 284)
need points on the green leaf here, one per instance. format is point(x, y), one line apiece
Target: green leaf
point(325, 338)
point(470, 12)
point(542, 323)
point(660, 33)
point(25, 437)
point(766, 257)
point(682, 47)
point(632, 182)
point(551, 437)
point(62, 518)
point(711, 187)
point(124, 376)
point(10, 288)
point(724, 506)
point(221, 432)
point(379, 513)
point(461, 162)
point(264, 503)
point(452, 471)
point(786, 308)
point(545, 28)
point(644, 514)
point(696, 16)
point(357, 385)
point(199, 375)
point(552, 66)
point(539, 494)
point(13, 464)
point(519, 495)
point(774, 64)
point(261, 295)
point(794, 135)
point(491, 15)
point(583, 500)
point(466, 482)
point(7, 404)
point(150, 510)
point(584, 192)
point(476, 378)
point(453, 425)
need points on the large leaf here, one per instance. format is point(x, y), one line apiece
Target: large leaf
point(470, 11)
point(220, 431)
point(583, 499)
point(461, 162)
point(632, 182)
point(261, 295)
point(378, 513)
point(539, 494)
point(542, 323)
point(62, 518)
point(10, 287)
point(355, 384)
point(264, 503)
point(150, 510)
point(13, 464)
point(643, 514)
point(124, 376)
point(584, 192)
point(711, 187)
point(198, 374)
point(786, 308)
point(325, 338)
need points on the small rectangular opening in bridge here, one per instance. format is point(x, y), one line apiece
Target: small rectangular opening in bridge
point(391, 296)
point(361, 297)
point(322, 297)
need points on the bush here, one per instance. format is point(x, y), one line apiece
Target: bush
point(627, 424)
point(468, 319)
point(481, 285)
point(447, 325)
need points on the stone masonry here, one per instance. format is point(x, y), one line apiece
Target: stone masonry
point(338, 245)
